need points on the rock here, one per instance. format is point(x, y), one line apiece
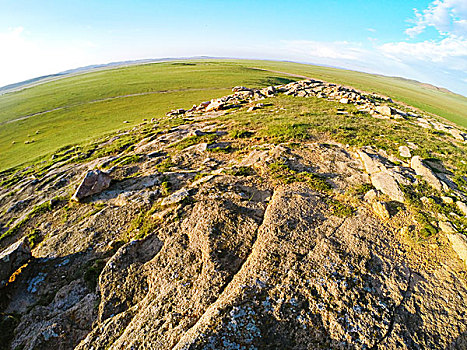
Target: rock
point(425, 172)
point(382, 210)
point(215, 106)
point(404, 151)
point(458, 135)
point(240, 88)
point(12, 258)
point(94, 182)
point(385, 110)
point(459, 244)
point(370, 196)
point(446, 227)
point(344, 100)
point(175, 197)
point(270, 91)
point(370, 161)
point(386, 183)
point(462, 207)
point(447, 200)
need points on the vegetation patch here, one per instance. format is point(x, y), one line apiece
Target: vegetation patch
point(92, 272)
point(36, 211)
point(282, 172)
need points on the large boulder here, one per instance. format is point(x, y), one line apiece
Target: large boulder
point(425, 172)
point(94, 182)
point(12, 258)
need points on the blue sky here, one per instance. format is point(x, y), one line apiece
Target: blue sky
point(423, 40)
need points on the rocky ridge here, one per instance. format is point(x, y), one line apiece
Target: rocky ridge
point(197, 238)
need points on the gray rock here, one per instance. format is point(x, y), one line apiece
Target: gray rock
point(385, 110)
point(462, 207)
point(370, 196)
point(386, 183)
point(425, 172)
point(94, 182)
point(404, 151)
point(175, 197)
point(381, 209)
point(459, 244)
point(446, 227)
point(12, 258)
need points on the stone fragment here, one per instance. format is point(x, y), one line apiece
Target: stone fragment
point(459, 244)
point(404, 151)
point(385, 110)
point(344, 100)
point(94, 182)
point(386, 183)
point(381, 209)
point(370, 196)
point(462, 207)
point(458, 135)
point(215, 106)
point(425, 172)
point(447, 200)
point(240, 88)
point(446, 227)
point(175, 197)
point(12, 258)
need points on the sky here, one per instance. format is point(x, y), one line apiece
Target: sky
point(415, 39)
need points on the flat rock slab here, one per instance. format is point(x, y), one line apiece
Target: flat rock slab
point(459, 244)
point(425, 172)
point(388, 185)
point(94, 182)
point(12, 258)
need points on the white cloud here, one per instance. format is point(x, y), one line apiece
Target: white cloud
point(319, 49)
point(448, 17)
point(450, 51)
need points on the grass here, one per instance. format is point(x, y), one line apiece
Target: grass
point(36, 211)
point(315, 119)
point(92, 105)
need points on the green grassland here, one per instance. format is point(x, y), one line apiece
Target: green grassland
point(82, 108)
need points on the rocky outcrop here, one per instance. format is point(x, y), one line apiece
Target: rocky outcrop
point(95, 181)
point(238, 242)
point(12, 259)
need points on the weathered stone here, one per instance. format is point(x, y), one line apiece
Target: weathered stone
point(446, 227)
point(240, 88)
point(447, 200)
point(344, 100)
point(175, 197)
point(459, 244)
point(12, 258)
point(381, 209)
point(215, 106)
point(386, 183)
point(94, 182)
point(425, 172)
point(370, 196)
point(404, 151)
point(371, 163)
point(458, 135)
point(462, 207)
point(385, 110)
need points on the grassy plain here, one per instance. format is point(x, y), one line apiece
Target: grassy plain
point(82, 108)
